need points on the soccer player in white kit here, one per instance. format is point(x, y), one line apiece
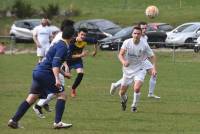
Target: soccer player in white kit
point(148, 67)
point(42, 36)
point(131, 56)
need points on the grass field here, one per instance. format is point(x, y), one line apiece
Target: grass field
point(94, 111)
point(123, 12)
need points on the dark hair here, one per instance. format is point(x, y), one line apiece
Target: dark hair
point(137, 28)
point(83, 30)
point(68, 32)
point(141, 23)
point(66, 23)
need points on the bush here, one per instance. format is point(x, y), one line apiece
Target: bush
point(72, 11)
point(51, 10)
point(22, 9)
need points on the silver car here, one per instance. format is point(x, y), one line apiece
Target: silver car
point(184, 35)
point(22, 29)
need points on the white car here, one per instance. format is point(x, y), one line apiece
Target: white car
point(22, 29)
point(183, 35)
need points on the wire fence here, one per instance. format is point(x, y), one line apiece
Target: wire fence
point(173, 47)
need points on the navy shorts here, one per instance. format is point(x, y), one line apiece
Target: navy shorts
point(43, 83)
point(75, 64)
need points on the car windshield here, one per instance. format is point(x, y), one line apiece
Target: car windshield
point(191, 28)
point(35, 23)
point(165, 27)
point(124, 31)
point(181, 28)
point(106, 25)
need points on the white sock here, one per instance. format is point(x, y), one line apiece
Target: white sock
point(123, 97)
point(152, 84)
point(136, 98)
point(42, 102)
point(118, 83)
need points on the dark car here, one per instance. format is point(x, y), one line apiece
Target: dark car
point(156, 33)
point(98, 28)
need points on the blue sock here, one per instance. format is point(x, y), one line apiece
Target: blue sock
point(21, 111)
point(60, 107)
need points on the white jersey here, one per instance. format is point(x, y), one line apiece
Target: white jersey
point(147, 63)
point(43, 35)
point(56, 38)
point(135, 55)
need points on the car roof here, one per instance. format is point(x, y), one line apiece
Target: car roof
point(95, 20)
point(28, 20)
point(158, 23)
point(191, 23)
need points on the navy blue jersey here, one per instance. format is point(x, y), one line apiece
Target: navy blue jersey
point(43, 77)
point(78, 46)
point(56, 55)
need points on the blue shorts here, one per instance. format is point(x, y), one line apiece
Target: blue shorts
point(43, 83)
point(75, 64)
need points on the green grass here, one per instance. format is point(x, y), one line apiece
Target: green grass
point(94, 111)
point(171, 11)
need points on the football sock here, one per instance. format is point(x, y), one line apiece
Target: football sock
point(60, 107)
point(136, 98)
point(42, 102)
point(152, 84)
point(24, 106)
point(123, 97)
point(77, 80)
point(118, 83)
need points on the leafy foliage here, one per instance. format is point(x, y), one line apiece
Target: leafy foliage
point(22, 9)
point(51, 10)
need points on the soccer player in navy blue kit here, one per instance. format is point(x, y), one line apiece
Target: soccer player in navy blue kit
point(46, 77)
point(77, 47)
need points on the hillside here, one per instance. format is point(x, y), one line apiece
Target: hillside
point(123, 12)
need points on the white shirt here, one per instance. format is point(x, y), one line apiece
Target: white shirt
point(56, 38)
point(43, 35)
point(135, 55)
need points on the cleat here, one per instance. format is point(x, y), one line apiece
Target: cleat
point(112, 89)
point(61, 125)
point(13, 124)
point(38, 110)
point(153, 96)
point(123, 104)
point(133, 109)
point(47, 108)
point(73, 93)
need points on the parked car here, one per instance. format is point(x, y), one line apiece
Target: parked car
point(183, 35)
point(98, 28)
point(156, 33)
point(22, 29)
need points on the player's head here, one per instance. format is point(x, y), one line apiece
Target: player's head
point(143, 26)
point(82, 32)
point(68, 33)
point(137, 33)
point(66, 23)
point(44, 21)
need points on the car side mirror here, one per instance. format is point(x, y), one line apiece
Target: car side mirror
point(198, 32)
point(175, 31)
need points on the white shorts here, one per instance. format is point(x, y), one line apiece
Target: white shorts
point(138, 76)
point(62, 79)
point(42, 51)
point(147, 64)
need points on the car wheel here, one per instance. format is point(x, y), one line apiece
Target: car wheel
point(196, 49)
point(160, 44)
point(189, 45)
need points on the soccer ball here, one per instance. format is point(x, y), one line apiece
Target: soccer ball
point(151, 12)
